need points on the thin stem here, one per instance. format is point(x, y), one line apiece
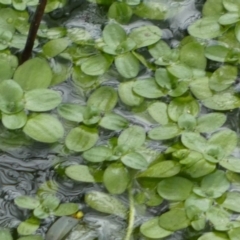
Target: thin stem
point(131, 214)
point(26, 54)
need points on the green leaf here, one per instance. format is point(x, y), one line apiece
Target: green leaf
point(60, 71)
point(34, 73)
point(50, 202)
point(31, 237)
point(237, 31)
point(104, 98)
point(200, 88)
point(231, 5)
point(116, 178)
point(97, 65)
point(151, 229)
point(164, 132)
point(132, 137)
point(40, 100)
point(72, 112)
point(65, 209)
point(229, 18)
point(205, 28)
point(26, 202)
point(163, 78)
point(127, 65)
point(175, 188)
point(174, 220)
point(121, 12)
point(187, 122)
point(79, 173)
point(201, 203)
point(113, 121)
point(223, 78)
point(14, 121)
point(6, 72)
point(163, 169)
point(5, 234)
point(231, 163)
point(160, 50)
point(217, 53)
point(44, 128)
point(231, 201)
point(194, 141)
point(127, 96)
point(29, 226)
point(158, 111)
point(234, 233)
point(135, 160)
point(81, 138)
point(40, 212)
point(181, 71)
point(105, 203)
point(146, 35)
point(213, 236)
point(213, 8)
point(210, 122)
point(148, 88)
point(78, 35)
point(55, 47)
point(97, 154)
point(213, 185)
point(114, 34)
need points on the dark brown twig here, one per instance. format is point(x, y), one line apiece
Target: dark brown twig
point(26, 54)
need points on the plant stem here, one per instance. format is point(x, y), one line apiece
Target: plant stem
point(26, 54)
point(131, 214)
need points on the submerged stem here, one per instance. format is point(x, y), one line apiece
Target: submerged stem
point(33, 31)
point(131, 214)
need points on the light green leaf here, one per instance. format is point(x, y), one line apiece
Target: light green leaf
point(200, 88)
point(78, 35)
point(55, 47)
point(175, 188)
point(210, 122)
point(231, 5)
point(213, 185)
point(194, 141)
point(234, 233)
point(5, 234)
point(127, 65)
point(201, 203)
point(79, 173)
point(158, 111)
point(97, 65)
point(187, 122)
point(65, 209)
point(151, 229)
point(114, 34)
point(116, 178)
point(72, 112)
point(205, 28)
point(229, 18)
point(163, 169)
point(217, 53)
point(40, 100)
point(29, 226)
point(148, 88)
point(213, 236)
point(50, 202)
point(44, 128)
point(181, 71)
point(6, 72)
point(105, 203)
point(135, 160)
point(97, 154)
point(174, 220)
point(104, 98)
point(237, 31)
point(132, 137)
point(231, 201)
point(60, 71)
point(34, 73)
point(160, 50)
point(14, 121)
point(163, 78)
point(81, 138)
point(146, 35)
point(164, 132)
point(231, 163)
point(127, 96)
point(113, 121)
point(40, 212)
point(26, 202)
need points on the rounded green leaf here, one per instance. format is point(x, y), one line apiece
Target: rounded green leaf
point(65, 209)
point(113, 121)
point(181, 71)
point(231, 163)
point(135, 160)
point(14, 121)
point(213, 236)
point(44, 128)
point(132, 137)
point(206, 28)
point(29, 226)
point(217, 53)
point(148, 88)
point(163, 78)
point(6, 71)
point(105, 203)
point(201, 203)
point(34, 73)
point(231, 201)
point(234, 233)
point(79, 173)
point(55, 47)
point(97, 154)
point(163, 169)
point(200, 88)
point(71, 112)
point(5, 234)
point(164, 132)
point(104, 98)
point(229, 18)
point(175, 188)
point(97, 65)
point(158, 111)
point(194, 141)
point(40, 212)
point(39, 100)
point(146, 35)
point(174, 220)
point(81, 138)
point(151, 229)
point(116, 178)
point(127, 95)
point(187, 122)
point(50, 202)
point(26, 202)
point(127, 65)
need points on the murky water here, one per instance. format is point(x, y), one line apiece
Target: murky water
point(23, 170)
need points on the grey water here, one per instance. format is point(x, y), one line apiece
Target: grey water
point(24, 169)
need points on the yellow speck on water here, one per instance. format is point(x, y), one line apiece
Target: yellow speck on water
point(78, 215)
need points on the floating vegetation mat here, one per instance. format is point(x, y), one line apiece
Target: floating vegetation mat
point(124, 122)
